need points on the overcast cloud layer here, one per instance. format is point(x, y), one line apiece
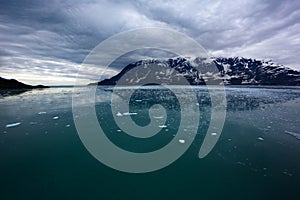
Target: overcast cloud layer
point(43, 42)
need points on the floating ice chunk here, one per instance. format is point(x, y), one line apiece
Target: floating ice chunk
point(68, 125)
point(158, 117)
point(260, 138)
point(296, 135)
point(241, 163)
point(12, 125)
point(42, 113)
point(214, 134)
point(181, 141)
point(128, 113)
point(119, 114)
point(56, 117)
point(287, 173)
point(162, 126)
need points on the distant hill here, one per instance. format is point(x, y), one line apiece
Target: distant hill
point(233, 71)
point(14, 84)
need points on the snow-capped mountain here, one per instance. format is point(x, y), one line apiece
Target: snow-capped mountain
point(198, 71)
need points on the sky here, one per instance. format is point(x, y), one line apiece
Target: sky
point(44, 42)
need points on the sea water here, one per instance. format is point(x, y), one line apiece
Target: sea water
point(256, 157)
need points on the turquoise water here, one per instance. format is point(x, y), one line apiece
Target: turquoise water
point(256, 157)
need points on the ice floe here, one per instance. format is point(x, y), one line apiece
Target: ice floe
point(287, 173)
point(12, 125)
point(158, 117)
point(296, 135)
point(260, 138)
point(42, 113)
point(119, 114)
point(162, 126)
point(181, 141)
point(129, 113)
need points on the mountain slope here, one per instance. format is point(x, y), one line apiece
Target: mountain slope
point(233, 71)
point(14, 84)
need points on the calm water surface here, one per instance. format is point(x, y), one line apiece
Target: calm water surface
point(256, 157)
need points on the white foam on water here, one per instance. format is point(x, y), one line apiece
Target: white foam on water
point(181, 141)
point(12, 125)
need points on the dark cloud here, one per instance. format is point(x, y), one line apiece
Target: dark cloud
point(50, 38)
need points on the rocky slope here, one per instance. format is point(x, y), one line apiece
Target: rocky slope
point(198, 71)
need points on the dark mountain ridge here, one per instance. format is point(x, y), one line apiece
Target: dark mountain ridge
point(14, 84)
point(197, 71)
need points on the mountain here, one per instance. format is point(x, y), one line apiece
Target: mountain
point(14, 84)
point(197, 71)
